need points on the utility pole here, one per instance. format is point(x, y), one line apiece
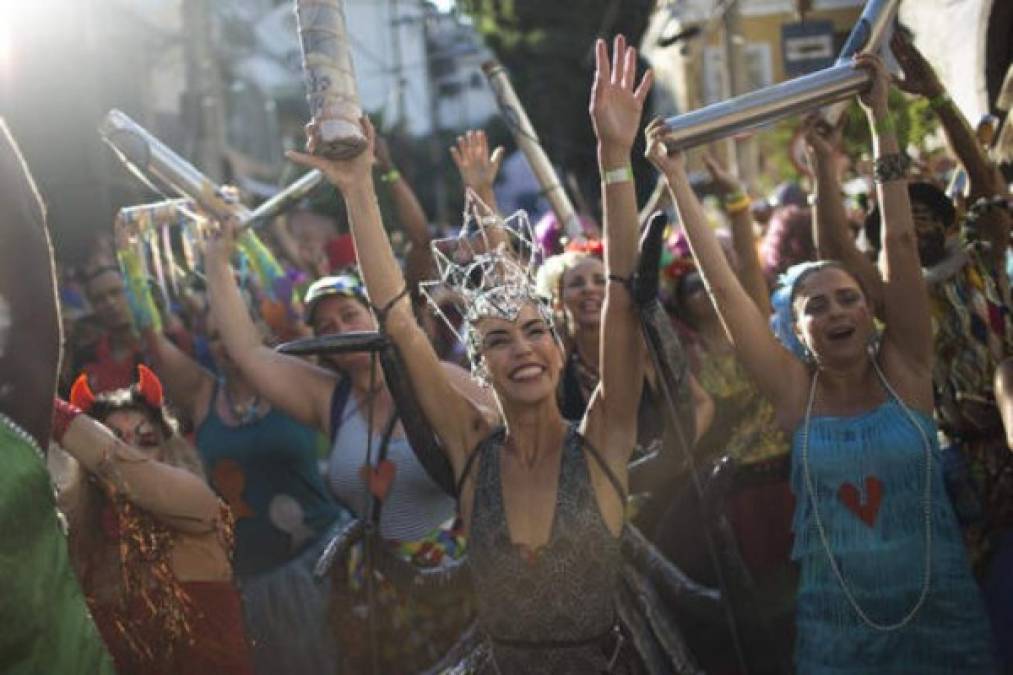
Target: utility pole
point(743, 151)
point(204, 89)
point(399, 79)
point(437, 155)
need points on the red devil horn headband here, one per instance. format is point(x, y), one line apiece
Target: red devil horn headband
point(149, 386)
point(81, 394)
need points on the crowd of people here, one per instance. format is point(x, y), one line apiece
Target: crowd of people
point(757, 437)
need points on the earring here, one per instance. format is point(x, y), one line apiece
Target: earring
point(872, 346)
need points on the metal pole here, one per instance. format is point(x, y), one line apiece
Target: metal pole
point(148, 157)
point(750, 111)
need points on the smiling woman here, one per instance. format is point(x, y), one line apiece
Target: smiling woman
point(532, 488)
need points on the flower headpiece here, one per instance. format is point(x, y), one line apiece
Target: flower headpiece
point(486, 271)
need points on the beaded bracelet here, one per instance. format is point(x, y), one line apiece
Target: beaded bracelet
point(891, 167)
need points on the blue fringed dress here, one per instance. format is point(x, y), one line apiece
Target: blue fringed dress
point(868, 472)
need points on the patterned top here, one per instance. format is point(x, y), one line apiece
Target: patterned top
point(751, 433)
point(973, 331)
point(562, 593)
point(267, 473)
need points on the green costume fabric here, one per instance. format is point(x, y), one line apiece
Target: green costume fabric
point(45, 626)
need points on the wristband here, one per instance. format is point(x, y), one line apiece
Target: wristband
point(391, 176)
point(937, 103)
point(741, 203)
point(623, 174)
point(63, 414)
point(885, 126)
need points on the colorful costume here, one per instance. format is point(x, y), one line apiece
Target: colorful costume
point(45, 626)
point(162, 624)
point(267, 472)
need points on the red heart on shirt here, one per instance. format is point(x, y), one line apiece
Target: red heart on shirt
point(379, 480)
point(852, 498)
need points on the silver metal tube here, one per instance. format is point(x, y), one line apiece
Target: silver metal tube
point(761, 107)
point(527, 140)
point(146, 156)
point(286, 198)
point(756, 109)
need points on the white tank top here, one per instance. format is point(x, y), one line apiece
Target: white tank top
point(414, 505)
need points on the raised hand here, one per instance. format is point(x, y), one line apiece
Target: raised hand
point(342, 173)
point(221, 245)
point(725, 182)
point(477, 167)
point(671, 164)
point(919, 78)
point(616, 105)
point(874, 100)
point(822, 139)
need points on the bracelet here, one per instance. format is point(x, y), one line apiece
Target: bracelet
point(885, 126)
point(391, 176)
point(740, 204)
point(891, 167)
point(623, 174)
point(937, 103)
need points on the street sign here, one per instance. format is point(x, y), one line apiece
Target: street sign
point(807, 47)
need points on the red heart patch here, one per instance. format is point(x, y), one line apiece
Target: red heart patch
point(852, 499)
point(379, 480)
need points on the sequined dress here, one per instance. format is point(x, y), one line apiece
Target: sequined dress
point(550, 611)
point(868, 473)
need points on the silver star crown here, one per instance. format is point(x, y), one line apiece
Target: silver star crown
point(487, 270)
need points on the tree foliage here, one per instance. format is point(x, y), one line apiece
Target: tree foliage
point(548, 48)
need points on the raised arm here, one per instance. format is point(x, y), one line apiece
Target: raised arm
point(617, 104)
point(778, 374)
point(908, 335)
point(457, 422)
point(830, 221)
point(737, 206)
point(419, 263)
point(176, 496)
point(291, 384)
point(478, 168)
point(29, 320)
point(920, 79)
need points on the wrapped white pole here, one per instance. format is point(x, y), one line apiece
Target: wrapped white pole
point(822, 88)
point(527, 140)
point(330, 78)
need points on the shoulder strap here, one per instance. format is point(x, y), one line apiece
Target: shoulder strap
point(471, 461)
point(604, 467)
point(339, 399)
